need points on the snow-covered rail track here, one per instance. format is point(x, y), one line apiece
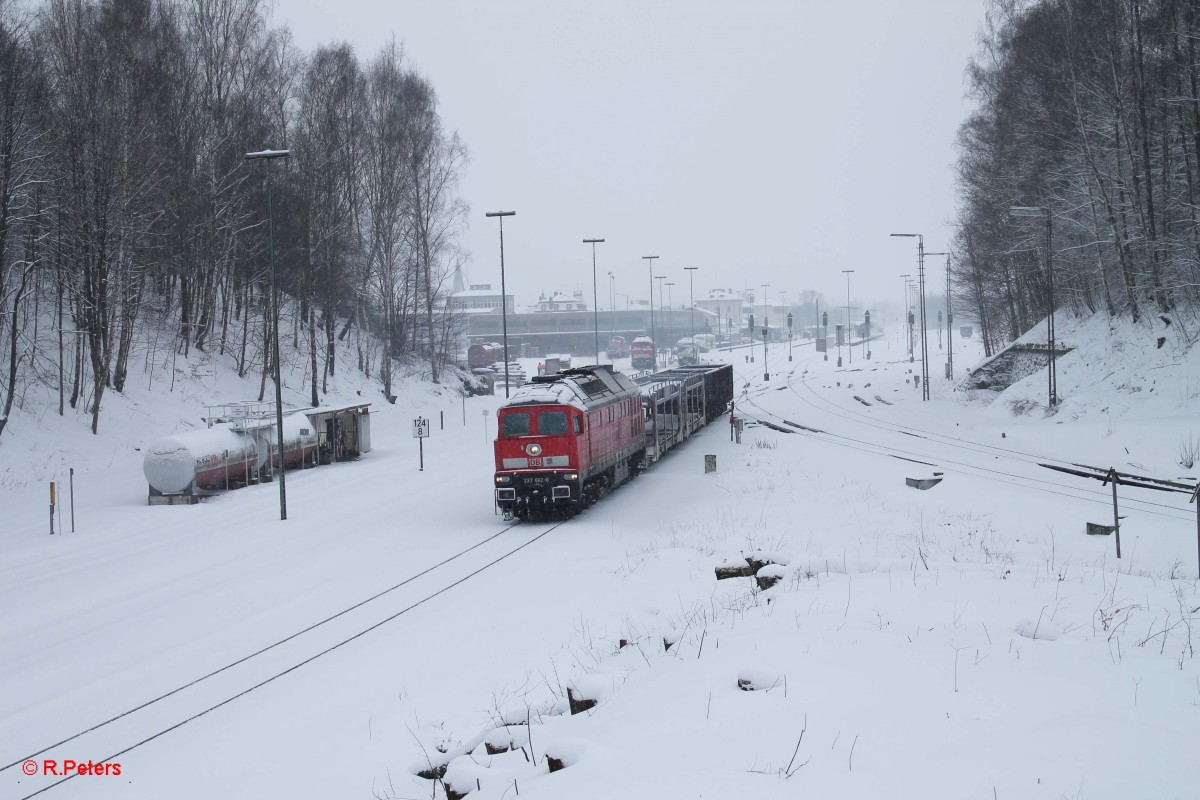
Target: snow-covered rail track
point(109, 739)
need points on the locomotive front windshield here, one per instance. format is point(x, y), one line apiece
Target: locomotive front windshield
point(552, 422)
point(516, 424)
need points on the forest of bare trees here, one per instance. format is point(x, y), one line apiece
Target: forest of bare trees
point(130, 222)
point(1089, 109)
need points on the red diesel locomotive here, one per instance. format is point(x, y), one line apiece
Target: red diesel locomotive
point(565, 440)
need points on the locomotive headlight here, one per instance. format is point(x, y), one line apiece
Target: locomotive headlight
point(571, 476)
point(502, 479)
point(534, 449)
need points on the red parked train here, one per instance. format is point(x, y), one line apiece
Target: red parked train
point(566, 439)
point(484, 354)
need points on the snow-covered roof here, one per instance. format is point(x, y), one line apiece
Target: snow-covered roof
point(582, 388)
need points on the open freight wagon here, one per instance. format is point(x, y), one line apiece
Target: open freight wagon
point(682, 400)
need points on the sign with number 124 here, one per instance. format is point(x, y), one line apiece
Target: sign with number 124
point(420, 428)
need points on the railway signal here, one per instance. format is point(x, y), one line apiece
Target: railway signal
point(789, 336)
point(825, 338)
point(766, 372)
point(867, 334)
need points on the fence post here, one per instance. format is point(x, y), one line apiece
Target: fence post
point(1195, 493)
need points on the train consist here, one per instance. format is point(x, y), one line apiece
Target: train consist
point(238, 448)
point(565, 440)
point(641, 353)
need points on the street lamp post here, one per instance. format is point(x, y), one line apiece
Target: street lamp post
point(595, 295)
point(270, 155)
point(660, 278)
point(612, 307)
point(849, 349)
point(1038, 211)
point(500, 215)
point(670, 309)
point(653, 334)
point(924, 340)
point(692, 309)
point(905, 316)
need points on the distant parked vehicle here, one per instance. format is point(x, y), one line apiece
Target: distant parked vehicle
point(617, 347)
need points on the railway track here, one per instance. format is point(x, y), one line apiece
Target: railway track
point(928, 457)
point(109, 739)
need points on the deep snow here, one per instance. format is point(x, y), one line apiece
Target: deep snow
point(966, 641)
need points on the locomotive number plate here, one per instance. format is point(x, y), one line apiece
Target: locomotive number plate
point(539, 479)
point(535, 462)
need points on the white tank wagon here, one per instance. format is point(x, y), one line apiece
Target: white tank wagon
point(238, 448)
point(203, 459)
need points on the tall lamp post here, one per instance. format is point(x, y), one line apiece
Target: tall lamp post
point(659, 278)
point(653, 334)
point(270, 155)
point(904, 315)
point(500, 215)
point(924, 340)
point(612, 307)
point(1038, 211)
point(691, 271)
point(670, 308)
point(849, 349)
point(595, 295)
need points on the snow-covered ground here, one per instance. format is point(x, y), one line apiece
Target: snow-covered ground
point(965, 641)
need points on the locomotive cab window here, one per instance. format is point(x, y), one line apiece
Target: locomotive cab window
point(552, 422)
point(516, 424)
point(577, 425)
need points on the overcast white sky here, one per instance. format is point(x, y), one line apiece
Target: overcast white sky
point(769, 141)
